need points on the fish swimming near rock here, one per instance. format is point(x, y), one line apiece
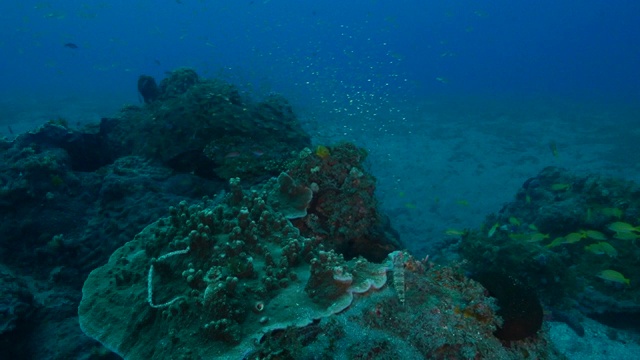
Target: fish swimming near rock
point(623, 227)
point(593, 234)
point(602, 248)
point(613, 276)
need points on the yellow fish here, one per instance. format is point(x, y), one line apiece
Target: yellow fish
point(626, 236)
point(538, 237)
point(454, 232)
point(493, 229)
point(612, 212)
point(574, 237)
point(560, 187)
point(514, 221)
point(622, 227)
point(613, 276)
point(519, 237)
point(602, 248)
point(529, 237)
point(595, 235)
point(557, 242)
point(323, 152)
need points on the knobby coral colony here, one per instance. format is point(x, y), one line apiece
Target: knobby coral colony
point(207, 267)
point(224, 278)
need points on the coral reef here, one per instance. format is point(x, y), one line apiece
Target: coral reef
point(208, 127)
point(560, 234)
point(224, 280)
point(224, 272)
point(297, 261)
point(70, 197)
point(344, 211)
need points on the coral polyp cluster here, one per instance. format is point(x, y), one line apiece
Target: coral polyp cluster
point(225, 271)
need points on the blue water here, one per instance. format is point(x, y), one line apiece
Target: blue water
point(324, 49)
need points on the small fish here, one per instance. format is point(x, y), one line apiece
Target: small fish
point(233, 154)
point(527, 199)
point(613, 276)
point(493, 229)
point(612, 212)
point(323, 152)
point(454, 232)
point(594, 248)
point(554, 149)
point(533, 227)
point(622, 227)
point(556, 242)
point(602, 248)
point(71, 46)
point(574, 237)
point(410, 205)
point(593, 234)
point(514, 221)
point(530, 238)
point(560, 187)
point(462, 202)
point(519, 237)
point(608, 249)
point(626, 236)
point(538, 237)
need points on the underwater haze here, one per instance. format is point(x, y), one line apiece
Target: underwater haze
point(328, 49)
point(458, 103)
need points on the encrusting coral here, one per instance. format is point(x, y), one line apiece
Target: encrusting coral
point(289, 198)
point(200, 273)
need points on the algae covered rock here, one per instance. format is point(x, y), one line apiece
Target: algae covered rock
point(208, 127)
point(344, 211)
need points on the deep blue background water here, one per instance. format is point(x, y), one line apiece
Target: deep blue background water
point(337, 53)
